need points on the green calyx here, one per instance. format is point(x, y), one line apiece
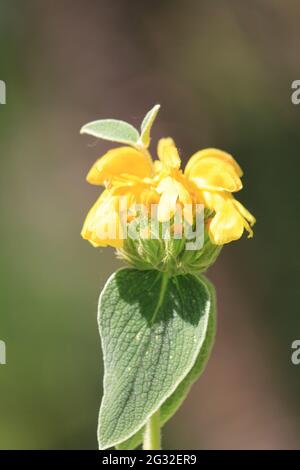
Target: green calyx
point(172, 256)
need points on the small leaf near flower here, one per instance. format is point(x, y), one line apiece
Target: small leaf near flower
point(147, 125)
point(112, 129)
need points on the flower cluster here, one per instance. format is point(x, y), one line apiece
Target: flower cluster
point(210, 178)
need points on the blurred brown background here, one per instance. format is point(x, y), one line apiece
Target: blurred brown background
point(222, 72)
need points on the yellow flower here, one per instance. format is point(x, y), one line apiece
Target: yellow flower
point(172, 186)
point(103, 226)
point(210, 177)
point(214, 170)
point(123, 171)
point(230, 219)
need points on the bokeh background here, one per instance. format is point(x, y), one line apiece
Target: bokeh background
point(222, 72)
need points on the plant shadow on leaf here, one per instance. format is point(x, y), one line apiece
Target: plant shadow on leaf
point(165, 295)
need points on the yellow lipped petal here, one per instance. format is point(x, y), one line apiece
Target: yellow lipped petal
point(230, 220)
point(168, 153)
point(102, 226)
point(227, 225)
point(118, 161)
point(214, 153)
point(215, 175)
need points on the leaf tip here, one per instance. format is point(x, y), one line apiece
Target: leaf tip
point(82, 130)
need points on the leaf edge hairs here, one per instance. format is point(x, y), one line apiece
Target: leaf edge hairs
point(157, 318)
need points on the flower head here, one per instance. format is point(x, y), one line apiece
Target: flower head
point(129, 174)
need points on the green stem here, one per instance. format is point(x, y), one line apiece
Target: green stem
point(152, 433)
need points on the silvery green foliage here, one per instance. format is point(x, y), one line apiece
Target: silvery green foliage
point(156, 333)
point(112, 129)
point(122, 132)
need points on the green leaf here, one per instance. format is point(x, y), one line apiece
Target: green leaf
point(171, 405)
point(112, 129)
point(152, 329)
point(147, 125)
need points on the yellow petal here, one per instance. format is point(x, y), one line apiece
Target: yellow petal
point(118, 161)
point(136, 190)
point(215, 175)
point(168, 199)
point(244, 212)
point(172, 192)
point(158, 166)
point(215, 153)
point(168, 153)
point(102, 226)
point(166, 207)
point(227, 225)
point(214, 200)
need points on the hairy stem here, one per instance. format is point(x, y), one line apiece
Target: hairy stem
point(152, 433)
